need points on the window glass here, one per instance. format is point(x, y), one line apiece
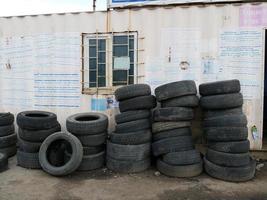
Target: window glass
point(120, 39)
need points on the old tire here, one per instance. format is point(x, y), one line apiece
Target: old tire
point(133, 126)
point(138, 103)
point(181, 171)
point(132, 116)
point(8, 140)
point(3, 162)
point(233, 174)
point(7, 130)
point(28, 147)
point(87, 123)
point(131, 138)
point(218, 113)
point(230, 147)
point(226, 121)
point(93, 140)
point(93, 150)
point(172, 133)
point(173, 114)
point(184, 101)
point(28, 160)
point(132, 91)
point(165, 126)
point(6, 119)
point(9, 151)
point(219, 87)
point(182, 157)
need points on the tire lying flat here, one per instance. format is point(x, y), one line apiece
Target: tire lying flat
point(173, 114)
point(131, 138)
point(29, 147)
point(7, 130)
point(3, 162)
point(8, 140)
point(138, 103)
point(132, 91)
point(165, 126)
point(9, 151)
point(28, 160)
point(132, 116)
point(6, 119)
point(226, 121)
point(182, 157)
point(132, 126)
point(230, 147)
point(93, 140)
point(184, 101)
point(172, 133)
point(218, 113)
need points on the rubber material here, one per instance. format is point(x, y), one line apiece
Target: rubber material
point(230, 147)
point(29, 147)
point(184, 101)
point(138, 103)
point(93, 140)
point(28, 160)
point(8, 140)
point(218, 113)
point(132, 116)
point(9, 151)
point(173, 114)
point(132, 91)
point(3, 162)
point(131, 138)
point(165, 126)
point(133, 126)
point(6, 119)
point(226, 121)
point(7, 130)
point(182, 158)
point(172, 133)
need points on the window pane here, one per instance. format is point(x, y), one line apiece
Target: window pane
point(131, 70)
point(92, 63)
point(92, 76)
point(92, 84)
point(101, 57)
point(120, 39)
point(101, 81)
point(102, 45)
point(101, 70)
point(131, 80)
point(131, 44)
point(124, 83)
point(92, 42)
point(92, 51)
point(119, 75)
point(131, 53)
point(121, 50)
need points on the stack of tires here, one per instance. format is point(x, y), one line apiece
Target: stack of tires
point(172, 138)
point(34, 128)
point(8, 137)
point(225, 127)
point(129, 147)
point(91, 130)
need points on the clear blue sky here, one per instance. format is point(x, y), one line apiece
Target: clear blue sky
point(27, 7)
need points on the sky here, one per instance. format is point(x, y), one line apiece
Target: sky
point(29, 7)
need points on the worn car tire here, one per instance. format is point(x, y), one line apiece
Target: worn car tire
point(138, 103)
point(28, 160)
point(76, 156)
point(9, 151)
point(87, 123)
point(132, 116)
point(172, 133)
point(230, 147)
point(184, 101)
point(233, 174)
point(8, 140)
point(131, 91)
point(226, 121)
point(218, 113)
point(28, 147)
point(219, 87)
point(182, 157)
point(133, 126)
point(131, 138)
point(221, 101)
point(7, 130)
point(127, 166)
point(173, 114)
point(168, 145)
point(182, 171)
point(93, 140)
point(3, 162)
point(93, 150)
point(165, 126)
point(128, 152)
point(6, 119)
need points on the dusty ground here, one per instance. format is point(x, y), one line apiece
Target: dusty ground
point(22, 184)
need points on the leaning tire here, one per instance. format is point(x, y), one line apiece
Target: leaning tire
point(165, 126)
point(132, 91)
point(7, 130)
point(173, 114)
point(3, 162)
point(6, 119)
point(226, 121)
point(184, 101)
point(8, 140)
point(182, 158)
point(93, 140)
point(28, 160)
point(172, 133)
point(132, 116)
point(138, 103)
point(230, 147)
point(131, 138)
point(133, 126)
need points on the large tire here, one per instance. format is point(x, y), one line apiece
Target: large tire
point(175, 89)
point(132, 91)
point(138, 103)
point(3, 162)
point(230, 147)
point(228, 159)
point(76, 156)
point(184, 101)
point(172, 133)
point(28, 147)
point(131, 138)
point(36, 120)
point(87, 123)
point(173, 114)
point(133, 126)
point(37, 135)
point(9, 151)
point(181, 171)
point(8, 140)
point(132, 116)
point(182, 158)
point(128, 152)
point(28, 160)
point(165, 126)
point(221, 101)
point(93, 140)
point(168, 145)
point(233, 174)
point(7, 130)
point(218, 113)
point(6, 119)
point(126, 166)
point(225, 134)
point(226, 121)
point(219, 87)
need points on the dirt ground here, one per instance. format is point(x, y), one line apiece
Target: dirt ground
point(22, 184)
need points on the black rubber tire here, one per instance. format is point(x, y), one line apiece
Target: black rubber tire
point(219, 87)
point(218, 113)
point(222, 101)
point(7, 130)
point(128, 152)
point(9, 151)
point(232, 174)
point(28, 160)
point(56, 155)
point(37, 135)
point(93, 140)
point(172, 133)
point(226, 121)
point(174, 144)
point(225, 134)
point(181, 171)
point(36, 120)
point(131, 138)
point(173, 114)
point(165, 126)
point(138, 103)
point(28, 147)
point(8, 140)
point(230, 147)
point(175, 89)
point(76, 156)
point(93, 150)
point(87, 123)
point(3, 162)
point(6, 119)
point(132, 116)
point(182, 158)
point(184, 101)
point(133, 126)
point(126, 166)
point(131, 91)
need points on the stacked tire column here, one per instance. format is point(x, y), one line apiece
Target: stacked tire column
point(129, 147)
point(172, 136)
point(91, 130)
point(225, 127)
point(34, 128)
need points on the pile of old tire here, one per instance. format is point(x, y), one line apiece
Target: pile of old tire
point(172, 139)
point(34, 128)
point(91, 130)
point(129, 147)
point(225, 128)
point(8, 137)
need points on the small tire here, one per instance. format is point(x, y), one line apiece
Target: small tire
point(7, 130)
point(173, 114)
point(182, 157)
point(133, 126)
point(218, 113)
point(6, 119)
point(28, 160)
point(132, 116)
point(131, 138)
point(9, 151)
point(226, 121)
point(93, 140)
point(28, 147)
point(230, 147)
point(132, 91)
point(138, 103)
point(3, 162)
point(184, 101)
point(172, 133)
point(165, 126)
point(8, 140)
